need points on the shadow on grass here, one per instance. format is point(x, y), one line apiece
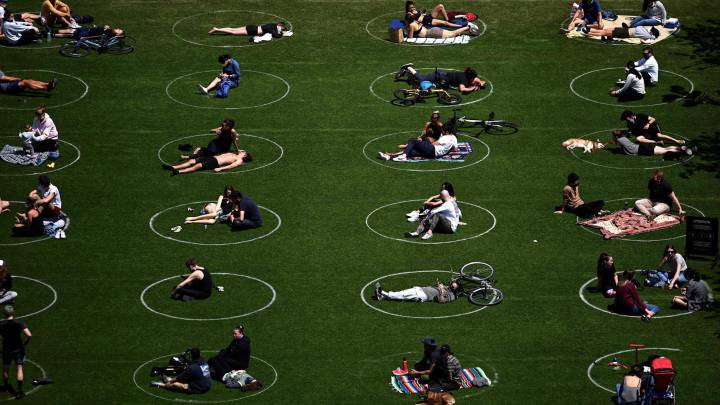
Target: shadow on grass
point(705, 44)
point(708, 158)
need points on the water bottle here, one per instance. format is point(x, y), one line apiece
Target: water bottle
point(49, 35)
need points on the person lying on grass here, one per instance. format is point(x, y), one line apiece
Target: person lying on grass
point(646, 129)
point(466, 81)
point(608, 34)
point(425, 146)
point(276, 29)
point(106, 32)
point(629, 147)
point(219, 163)
point(4, 206)
point(442, 219)
point(216, 212)
point(439, 293)
point(197, 285)
point(15, 85)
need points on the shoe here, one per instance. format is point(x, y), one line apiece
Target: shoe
point(412, 234)
point(427, 236)
point(52, 84)
point(620, 83)
point(378, 291)
point(645, 318)
point(165, 379)
point(412, 213)
point(176, 229)
point(175, 172)
point(20, 395)
point(474, 31)
point(383, 156)
point(166, 166)
point(203, 90)
point(74, 25)
point(405, 66)
point(62, 234)
point(156, 383)
point(585, 30)
point(57, 235)
point(414, 218)
point(191, 209)
point(564, 30)
point(400, 158)
point(472, 26)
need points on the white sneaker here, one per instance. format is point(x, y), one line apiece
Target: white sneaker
point(414, 218)
point(202, 89)
point(400, 158)
point(383, 156)
point(472, 26)
point(62, 234)
point(74, 24)
point(176, 229)
point(412, 213)
point(57, 235)
point(426, 236)
point(413, 234)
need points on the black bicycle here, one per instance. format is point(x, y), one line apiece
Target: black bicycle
point(490, 125)
point(102, 44)
point(483, 293)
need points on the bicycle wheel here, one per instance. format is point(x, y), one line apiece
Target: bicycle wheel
point(486, 296)
point(477, 271)
point(120, 46)
point(500, 127)
point(405, 95)
point(74, 49)
point(449, 98)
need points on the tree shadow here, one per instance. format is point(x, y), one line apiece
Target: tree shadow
point(705, 44)
point(708, 157)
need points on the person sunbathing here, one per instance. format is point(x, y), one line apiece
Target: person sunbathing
point(417, 29)
point(412, 14)
point(646, 129)
point(439, 293)
point(629, 147)
point(275, 29)
point(219, 163)
point(77, 33)
point(643, 33)
point(466, 81)
point(14, 85)
point(424, 146)
point(216, 211)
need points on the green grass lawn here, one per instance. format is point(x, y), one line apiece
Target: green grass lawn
point(314, 109)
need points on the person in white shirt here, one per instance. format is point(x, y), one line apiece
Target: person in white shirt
point(424, 146)
point(443, 219)
point(46, 134)
point(18, 32)
point(677, 265)
point(648, 67)
point(633, 88)
point(46, 198)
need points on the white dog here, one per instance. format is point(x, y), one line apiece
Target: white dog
point(587, 145)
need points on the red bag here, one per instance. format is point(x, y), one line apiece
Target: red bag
point(470, 16)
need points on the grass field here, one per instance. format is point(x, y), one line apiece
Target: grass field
point(307, 112)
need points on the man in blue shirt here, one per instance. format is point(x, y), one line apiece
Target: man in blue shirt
point(230, 74)
point(245, 214)
point(195, 379)
point(588, 14)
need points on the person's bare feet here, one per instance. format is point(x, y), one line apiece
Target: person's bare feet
point(213, 30)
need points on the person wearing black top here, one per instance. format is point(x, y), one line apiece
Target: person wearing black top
point(607, 275)
point(234, 357)
point(466, 81)
point(106, 31)
point(6, 293)
point(216, 211)
point(198, 285)
point(225, 138)
point(245, 214)
point(274, 29)
point(661, 197)
point(195, 379)
point(13, 349)
point(646, 129)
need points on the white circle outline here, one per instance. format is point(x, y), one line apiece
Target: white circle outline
point(590, 367)
point(364, 150)
point(35, 388)
point(572, 151)
point(430, 243)
point(48, 107)
point(152, 227)
point(134, 377)
point(149, 308)
point(364, 300)
point(167, 91)
point(492, 89)
point(67, 225)
point(49, 171)
point(54, 300)
point(585, 300)
point(282, 152)
point(226, 11)
point(367, 29)
point(577, 219)
point(623, 105)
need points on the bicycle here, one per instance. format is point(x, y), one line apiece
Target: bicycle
point(426, 89)
point(102, 44)
point(485, 293)
point(489, 126)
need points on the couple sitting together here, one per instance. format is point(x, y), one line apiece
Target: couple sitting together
point(435, 142)
point(43, 212)
point(231, 208)
point(436, 24)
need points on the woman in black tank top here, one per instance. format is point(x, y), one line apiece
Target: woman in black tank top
point(198, 285)
point(215, 211)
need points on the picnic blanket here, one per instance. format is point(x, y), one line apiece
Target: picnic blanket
point(459, 155)
point(460, 39)
point(664, 32)
point(627, 222)
point(16, 156)
point(404, 384)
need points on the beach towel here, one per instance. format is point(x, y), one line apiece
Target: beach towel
point(627, 222)
point(16, 156)
point(458, 40)
point(459, 155)
point(664, 32)
point(404, 384)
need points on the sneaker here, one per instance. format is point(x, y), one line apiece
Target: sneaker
point(564, 30)
point(474, 31)
point(378, 291)
point(414, 218)
point(412, 213)
point(74, 25)
point(203, 90)
point(166, 166)
point(645, 318)
point(585, 30)
point(52, 84)
point(472, 25)
point(176, 229)
point(57, 235)
point(191, 209)
point(62, 234)
point(427, 236)
point(405, 66)
point(383, 156)
point(412, 234)
point(620, 83)
point(400, 158)
point(156, 383)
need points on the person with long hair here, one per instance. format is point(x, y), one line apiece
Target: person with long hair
point(197, 285)
point(677, 265)
point(230, 73)
point(653, 13)
point(225, 137)
point(275, 29)
point(628, 301)
point(7, 295)
point(634, 86)
point(218, 211)
point(574, 204)
point(607, 275)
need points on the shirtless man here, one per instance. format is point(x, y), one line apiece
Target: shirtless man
point(219, 163)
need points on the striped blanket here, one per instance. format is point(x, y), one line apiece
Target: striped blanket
point(459, 155)
point(16, 156)
point(407, 385)
point(458, 40)
point(627, 222)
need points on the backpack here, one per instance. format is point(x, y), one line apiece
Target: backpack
point(609, 15)
point(223, 89)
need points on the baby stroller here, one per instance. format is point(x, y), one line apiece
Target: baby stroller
point(662, 384)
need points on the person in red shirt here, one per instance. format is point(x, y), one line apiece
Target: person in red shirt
point(627, 299)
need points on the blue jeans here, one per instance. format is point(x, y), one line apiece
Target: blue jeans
point(419, 148)
point(238, 225)
point(636, 311)
point(640, 20)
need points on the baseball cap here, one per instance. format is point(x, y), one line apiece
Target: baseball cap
point(428, 340)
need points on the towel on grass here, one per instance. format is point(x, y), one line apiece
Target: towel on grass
point(405, 384)
point(460, 39)
point(627, 222)
point(16, 156)
point(664, 32)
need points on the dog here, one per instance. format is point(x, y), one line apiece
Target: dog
point(587, 145)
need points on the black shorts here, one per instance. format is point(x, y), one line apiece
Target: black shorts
point(646, 149)
point(18, 356)
point(208, 162)
point(10, 87)
point(252, 30)
point(621, 32)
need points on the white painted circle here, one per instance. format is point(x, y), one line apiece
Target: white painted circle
point(149, 308)
point(624, 105)
point(489, 84)
point(135, 373)
point(241, 38)
point(38, 239)
point(577, 219)
point(34, 388)
point(590, 367)
point(167, 91)
point(282, 152)
point(399, 15)
point(367, 218)
point(364, 300)
point(582, 297)
point(48, 171)
point(54, 300)
point(627, 156)
point(452, 166)
point(48, 107)
point(152, 227)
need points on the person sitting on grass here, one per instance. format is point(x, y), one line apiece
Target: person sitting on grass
point(219, 163)
point(442, 219)
point(55, 11)
point(236, 356)
point(46, 136)
point(660, 199)
point(439, 293)
point(631, 389)
point(572, 202)
point(18, 32)
point(589, 15)
point(216, 212)
point(106, 32)
point(13, 349)
point(431, 355)
point(696, 294)
point(431, 202)
point(629, 147)
point(648, 68)
point(633, 88)
point(646, 129)
point(225, 137)
point(676, 262)
point(195, 379)
point(15, 85)
point(276, 29)
point(4, 206)
point(654, 13)
point(46, 198)
point(608, 34)
point(197, 285)
point(607, 275)
point(230, 75)
point(245, 214)
point(7, 295)
point(627, 299)
point(466, 81)
point(28, 223)
point(424, 146)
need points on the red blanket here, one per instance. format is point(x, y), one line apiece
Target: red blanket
point(627, 222)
